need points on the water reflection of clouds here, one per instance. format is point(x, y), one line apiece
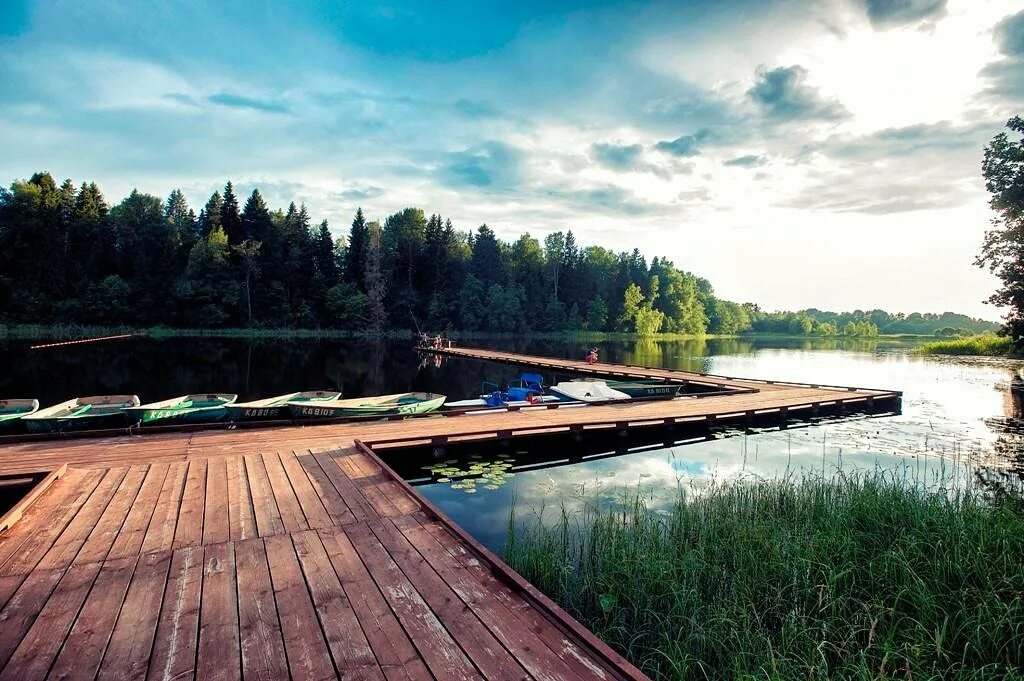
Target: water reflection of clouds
point(936, 442)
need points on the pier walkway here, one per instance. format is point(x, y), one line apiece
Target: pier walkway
point(295, 552)
point(632, 371)
point(268, 566)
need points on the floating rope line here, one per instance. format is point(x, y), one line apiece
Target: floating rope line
point(83, 340)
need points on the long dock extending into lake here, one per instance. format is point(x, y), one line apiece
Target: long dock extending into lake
point(296, 552)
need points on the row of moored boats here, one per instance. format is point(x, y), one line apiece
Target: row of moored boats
point(119, 411)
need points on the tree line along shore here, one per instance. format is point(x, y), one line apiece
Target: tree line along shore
point(68, 258)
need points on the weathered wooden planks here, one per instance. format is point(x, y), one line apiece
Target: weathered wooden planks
point(191, 570)
point(262, 645)
point(174, 650)
point(14, 513)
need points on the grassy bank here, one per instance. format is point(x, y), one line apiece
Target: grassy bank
point(851, 578)
point(994, 346)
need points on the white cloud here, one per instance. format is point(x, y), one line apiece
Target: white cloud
point(631, 127)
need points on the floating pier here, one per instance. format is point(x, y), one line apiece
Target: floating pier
point(295, 552)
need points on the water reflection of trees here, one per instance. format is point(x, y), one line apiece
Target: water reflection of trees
point(159, 368)
point(1003, 482)
point(692, 354)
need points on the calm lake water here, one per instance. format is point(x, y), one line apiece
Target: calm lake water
point(948, 434)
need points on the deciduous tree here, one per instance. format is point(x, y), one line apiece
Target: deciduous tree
point(1002, 251)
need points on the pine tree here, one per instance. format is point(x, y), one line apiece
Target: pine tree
point(97, 253)
point(487, 265)
point(554, 257)
point(210, 215)
point(638, 273)
point(324, 257)
point(402, 241)
point(570, 271)
point(376, 287)
point(176, 212)
point(147, 252)
point(355, 256)
point(66, 202)
point(182, 221)
point(267, 288)
point(230, 219)
point(255, 219)
point(249, 254)
point(472, 301)
point(298, 257)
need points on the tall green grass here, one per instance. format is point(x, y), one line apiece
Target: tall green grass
point(862, 578)
point(998, 346)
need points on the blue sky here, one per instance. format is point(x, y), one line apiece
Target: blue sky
point(796, 153)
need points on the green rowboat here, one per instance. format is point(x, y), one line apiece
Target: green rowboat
point(12, 411)
point(82, 413)
point(200, 408)
point(641, 388)
point(276, 407)
point(404, 404)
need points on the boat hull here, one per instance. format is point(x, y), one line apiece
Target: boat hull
point(486, 402)
point(276, 407)
point(198, 408)
point(172, 416)
point(13, 411)
point(73, 424)
point(649, 390)
point(587, 391)
point(98, 412)
point(324, 411)
point(236, 413)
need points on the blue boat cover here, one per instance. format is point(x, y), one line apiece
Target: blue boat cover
point(520, 394)
point(533, 381)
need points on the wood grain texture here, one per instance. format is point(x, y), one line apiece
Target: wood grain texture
point(155, 571)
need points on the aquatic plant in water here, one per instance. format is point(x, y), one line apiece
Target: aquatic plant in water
point(489, 475)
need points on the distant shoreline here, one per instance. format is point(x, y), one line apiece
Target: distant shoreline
point(72, 332)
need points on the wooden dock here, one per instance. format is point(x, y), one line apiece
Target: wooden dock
point(268, 566)
point(632, 371)
point(294, 552)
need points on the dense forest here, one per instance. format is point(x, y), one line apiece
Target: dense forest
point(68, 257)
